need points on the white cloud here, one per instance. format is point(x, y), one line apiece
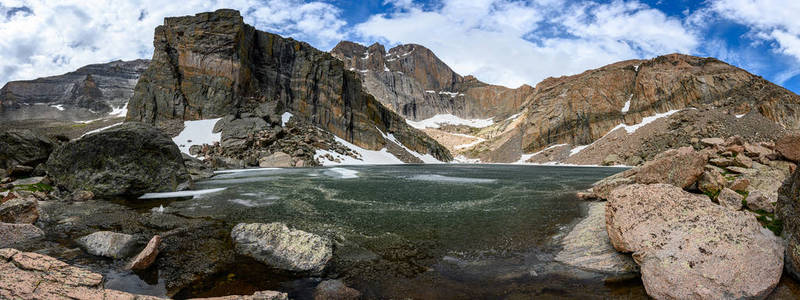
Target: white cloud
point(514, 42)
point(58, 37)
point(770, 20)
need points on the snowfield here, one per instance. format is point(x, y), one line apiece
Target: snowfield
point(438, 120)
point(197, 133)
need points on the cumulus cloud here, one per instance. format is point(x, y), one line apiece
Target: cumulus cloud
point(516, 42)
point(42, 38)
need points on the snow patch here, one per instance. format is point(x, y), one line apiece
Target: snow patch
point(740, 116)
point(385, 68)
point(101, 129)
point(426, 158)
point(636, 68)
point(514, 116)
point(578, 149)
point(647, 120)
point(526, 157)
point(627, 104)
point(119, 111)
point(59, 107)
point(437, 120)
point(198, 132)
point(470, 145)
point(180, 194)
point(368, 157)
point(285, 117)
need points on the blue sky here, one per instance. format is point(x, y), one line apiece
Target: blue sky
point(500, 41)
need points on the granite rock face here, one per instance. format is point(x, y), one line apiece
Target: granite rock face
point(129, 159)
point(98, 87)
point(413, 82)
point(213, 64)
point(580, 109)
point(690, 248)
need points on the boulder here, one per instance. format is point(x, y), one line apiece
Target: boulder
point(588, 247)
point(23, 147)
point(612, 160)
point(127, 160)
point(108, 244)
point(789, 147)
point(712, 141)
point(11, 234)
point(276, 160)
point(680, 167)
point(196, 168)
point(79, 196)
point(756, 201)
point(711, 182)
point(690, 248)
point(742, 161)
point(260, 295)
point(147, 256)
point(757, 150)
point(278, 246)
point(602, 189)
point(740, 184)
point(730, 199)
point(721, 162)
point(335, 289)
point(787, 210)
point(20, 210)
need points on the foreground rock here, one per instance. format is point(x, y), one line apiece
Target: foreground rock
point(108, 244)
point(789, 147)
point(11, 234)
point(690, 248)
point(276, 245)
point(127, 160)
point(262, 295)
point(788, 210)
point(587, 247)
point(144, 259)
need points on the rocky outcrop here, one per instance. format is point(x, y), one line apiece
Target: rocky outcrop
point(98, 87)
point(129, 159)
point(413, 82)
point(213, 64)
point(788, 210)
point(588, 247)
point(580, 109)
point(278, 246)
point(691, 248)
point(108, 244)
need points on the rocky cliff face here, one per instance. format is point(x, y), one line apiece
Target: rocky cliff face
point(213, 64)
point(98, 87)
point(413, 82)
point(579, 109)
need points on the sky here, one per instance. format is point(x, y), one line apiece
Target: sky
point(503, 42)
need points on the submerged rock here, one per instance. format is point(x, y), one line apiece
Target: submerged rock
point(690, 248)
point(335, 289)
point(108, 244)
point(276, 245)
point(11, 234)
point(588, 247)
point(129, 159)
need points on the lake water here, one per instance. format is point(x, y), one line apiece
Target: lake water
point(414, 231)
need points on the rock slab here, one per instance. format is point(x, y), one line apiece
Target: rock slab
point(11, 234)
point(690, 248)
point(276, 245)
point(127, 160)
point(588, 247)
point(147, 257)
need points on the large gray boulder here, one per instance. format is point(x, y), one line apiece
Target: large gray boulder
point(23, 147)
point(108, 244)
point(127, 160)
point(276, 245)
point(588, 247)
point(690, 248)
